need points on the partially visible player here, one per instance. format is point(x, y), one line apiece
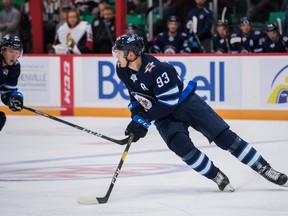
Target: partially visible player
point(246, 40)
point(171, 41)
point(158, 94)
point(205, 22)
point(11, 49)
point(221, 38)
point(274, 42)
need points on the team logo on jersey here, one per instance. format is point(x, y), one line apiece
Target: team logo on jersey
point(146, 101)
point(133, 77)
point(149, 67)
point(272, 46)
point(5, 71)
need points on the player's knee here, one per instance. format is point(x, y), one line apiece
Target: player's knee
point(181, 144)
point(2, 120)
point(226, 139)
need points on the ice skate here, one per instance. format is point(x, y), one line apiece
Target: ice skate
point(223, 182)
point(274, 176)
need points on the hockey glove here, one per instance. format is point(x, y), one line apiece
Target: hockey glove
point(193, 43)
point(137, 110)
point(16, 101)
point(138, 126)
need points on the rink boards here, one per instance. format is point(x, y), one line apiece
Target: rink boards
point(237, 86)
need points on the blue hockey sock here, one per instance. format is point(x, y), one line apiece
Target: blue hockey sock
point(242, 150)
point(245, 153)
point(182, 145)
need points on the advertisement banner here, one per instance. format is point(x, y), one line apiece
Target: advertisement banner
point(218, 80)
point(236, 86)
point(39, 80)
point(98, 84)
point(67, 85)
point(274, 82)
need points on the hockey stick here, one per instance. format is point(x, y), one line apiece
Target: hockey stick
point(120, 142)
point(195, 23)
point(101, 200)
point(108, 32)
point(223, 14)
point(279, 23)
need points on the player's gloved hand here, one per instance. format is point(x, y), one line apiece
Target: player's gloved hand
point(193, 42)
point(16, 101)
point(138, 126)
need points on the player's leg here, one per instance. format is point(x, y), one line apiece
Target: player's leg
point(203, 118)
point(244, 152)
point(176, 136)
point(2, 120)
point(182, 145)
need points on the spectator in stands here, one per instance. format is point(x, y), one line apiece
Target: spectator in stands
point(221, 38)
point(74, 36)
point(137, 6)
point(86, 6)
point(172, 41)
point(9, 19)
point(99, 12)
point(102, 6)
point(51, 17)
point(204, 24)
point(104, 32)
point(247, 40)
point(25, 27)
point(274, 42)
point(65, 7)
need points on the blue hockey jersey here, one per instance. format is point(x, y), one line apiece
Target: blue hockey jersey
point(170, 45)
point(9, 76)
point(156, 86)
point(8, 79)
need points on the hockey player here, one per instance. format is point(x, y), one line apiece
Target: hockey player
point(11, 49)
point(247, 40)
point(274, 41)
point(204, 25)
point(221, 39)
point(172, 41)
point(158, 94)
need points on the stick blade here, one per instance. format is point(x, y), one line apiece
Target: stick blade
point(88, 200)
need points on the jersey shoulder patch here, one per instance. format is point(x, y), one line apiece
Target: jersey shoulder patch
point(149, 67)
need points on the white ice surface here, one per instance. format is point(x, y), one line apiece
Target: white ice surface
point(46, 165)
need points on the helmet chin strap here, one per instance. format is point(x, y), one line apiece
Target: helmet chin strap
point(130, 61)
